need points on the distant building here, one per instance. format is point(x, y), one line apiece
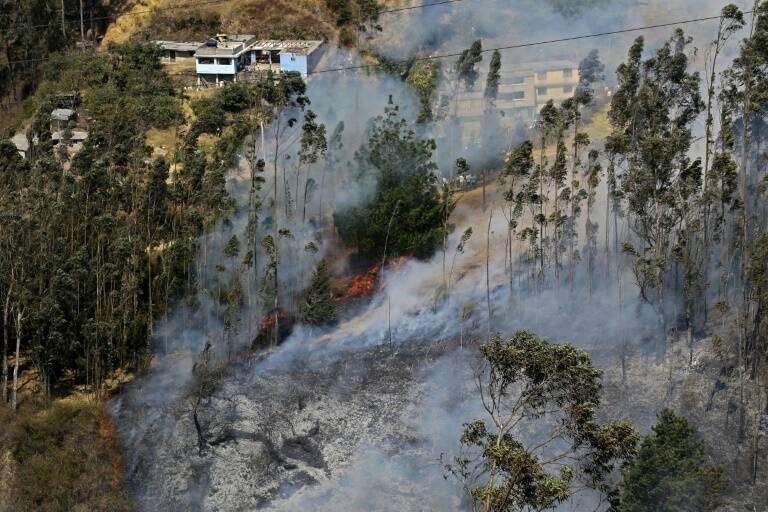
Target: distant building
point(173, 51)
point(60, 118)
point(523, 89)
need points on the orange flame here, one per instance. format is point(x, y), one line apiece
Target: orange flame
point(269, 321)
point(365, 283)
point(107, 433)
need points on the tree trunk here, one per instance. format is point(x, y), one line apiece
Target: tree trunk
point(82, 26)
point(14, 400)
point(487, 272)
point(63, 23)
point(6, 311)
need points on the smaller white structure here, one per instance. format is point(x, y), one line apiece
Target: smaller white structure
point(300, 56)
point(22, 144)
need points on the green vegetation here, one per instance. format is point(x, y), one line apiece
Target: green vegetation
point(355, 14)
point(422, 76)
point(33, 30)
point(671, 473)
point(399, 167)
point(317, 304)
point(530, 385)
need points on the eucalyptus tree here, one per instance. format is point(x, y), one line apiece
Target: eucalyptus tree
point(466, 71)
point(518, 168)
point(655, 106)
point(548, 124)
point(279, 96)
point(530, 385)
point(745, 88)
point(592, 178)
point(313, 146)
point(331, 159)
point(492, 81)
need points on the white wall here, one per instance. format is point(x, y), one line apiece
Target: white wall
point(215, 69)
point(293, 62)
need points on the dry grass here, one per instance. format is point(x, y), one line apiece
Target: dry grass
point(63, 457)
point(265, 18)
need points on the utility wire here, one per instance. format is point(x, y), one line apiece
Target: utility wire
point(524, 45)
point(499, 48)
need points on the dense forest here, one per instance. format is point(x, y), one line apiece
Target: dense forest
point(256, 216)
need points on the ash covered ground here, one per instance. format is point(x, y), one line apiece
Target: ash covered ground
point(332, 423)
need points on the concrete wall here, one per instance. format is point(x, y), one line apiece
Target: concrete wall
point(216, 68)
point(294, 62)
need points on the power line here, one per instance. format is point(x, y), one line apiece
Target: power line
point(524, 45)
point(500, 48)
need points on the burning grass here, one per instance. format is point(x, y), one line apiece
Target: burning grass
point(65, 457)
point(365, 283)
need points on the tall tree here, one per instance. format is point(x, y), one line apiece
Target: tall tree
point(317, 304)
point(671, 472)
point(527, 384)
point(655, 109)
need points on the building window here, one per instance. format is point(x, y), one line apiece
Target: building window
point(518, 95)
point(517, 80)
point(541, 91)
point(225, 62)
point(541, 75)
point(568, 88)
point(204, 60)
point(567, 73)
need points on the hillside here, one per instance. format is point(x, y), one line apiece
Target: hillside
point(493, 256)
point(302, 19)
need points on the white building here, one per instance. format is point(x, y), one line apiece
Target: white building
point(223, 57)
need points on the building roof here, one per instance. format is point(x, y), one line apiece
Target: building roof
point(20, 141)
point(177, 46)
point(226, 45)
point(62, 114)
point(544, 65)
point(291, 46)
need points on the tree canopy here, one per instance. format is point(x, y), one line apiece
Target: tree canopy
point(397, 166)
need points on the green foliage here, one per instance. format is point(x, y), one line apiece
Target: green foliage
point(399, 166)
point(88, 247)
point(347, 37)
point(317, 304)
point(422, 76)
point(465, 65)
point(528, 384)
point(360, 14)
point(492, 82)
point(670, 473)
